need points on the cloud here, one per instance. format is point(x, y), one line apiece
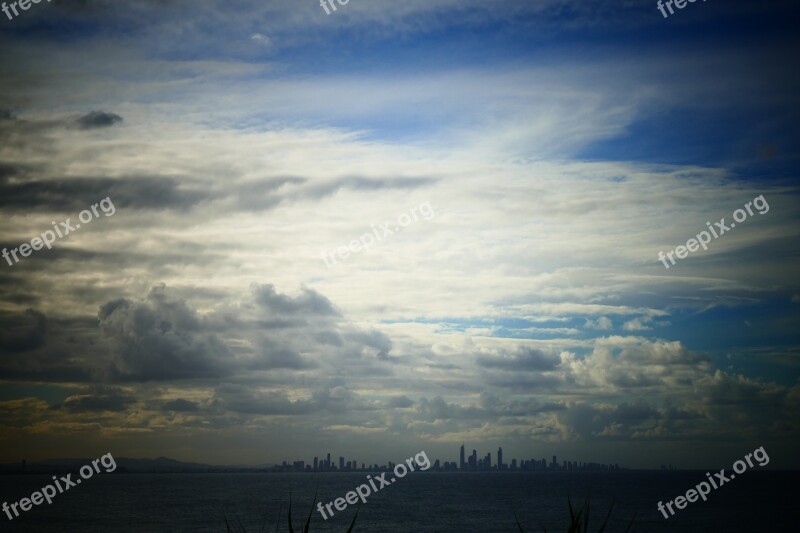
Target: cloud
point(98, 119)
point(180, 405)
point(160, 339)
point(111, 400)
point(22, 332)
point(261, 39)
point(523, 360)
point(602, 323)
point(309, 302)
point(399, 402)
point(76, 194)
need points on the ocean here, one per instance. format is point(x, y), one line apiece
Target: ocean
point(436, 502)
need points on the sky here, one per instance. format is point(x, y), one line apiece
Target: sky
point(225, 305)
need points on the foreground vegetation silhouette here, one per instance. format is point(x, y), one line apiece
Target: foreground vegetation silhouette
point(306, 527)
point(579, 522)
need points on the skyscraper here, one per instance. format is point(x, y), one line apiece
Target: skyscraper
point(461, 467)
point(500, 458)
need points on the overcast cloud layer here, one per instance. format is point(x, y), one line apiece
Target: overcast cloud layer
point(240, 140)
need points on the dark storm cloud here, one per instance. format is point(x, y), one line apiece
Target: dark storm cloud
point(273, 357)
point(36, 348)
point(75, 194)
point(399, 402)
point(309, 302)
point(496, 406)
point(98, 119)
point(242, 399)
point(161, 339)
point(523, 360)
point(524, 383)
point(22, 332)
point(8, 170)
point(590, 421)
point(180, 405)
point(490, 407)
point(377, 340)
point(439, 409)
point(112, 400)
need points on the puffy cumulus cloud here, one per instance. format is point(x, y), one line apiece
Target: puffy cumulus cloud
point(630, 363)
point(588, 421)
point(161, 339)
point(725, 406)
point(738, 405)
point(521, 369)
point(308, 302)
point(602, 322)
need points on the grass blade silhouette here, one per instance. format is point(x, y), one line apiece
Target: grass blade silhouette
point(631, 524)
point(608, 516)
point(516, 519)
point(277, 520)
point(353, 523)
point(291, 529)
point(311, 512)
point(586, 517)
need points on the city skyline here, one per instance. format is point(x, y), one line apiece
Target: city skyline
point(472, 464)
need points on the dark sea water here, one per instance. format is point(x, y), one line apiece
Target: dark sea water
point(438, 502)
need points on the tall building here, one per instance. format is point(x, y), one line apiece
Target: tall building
point(315, 464)
point(341, 463)
point(461, 467)
point(500, 458)
point(328, 462)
